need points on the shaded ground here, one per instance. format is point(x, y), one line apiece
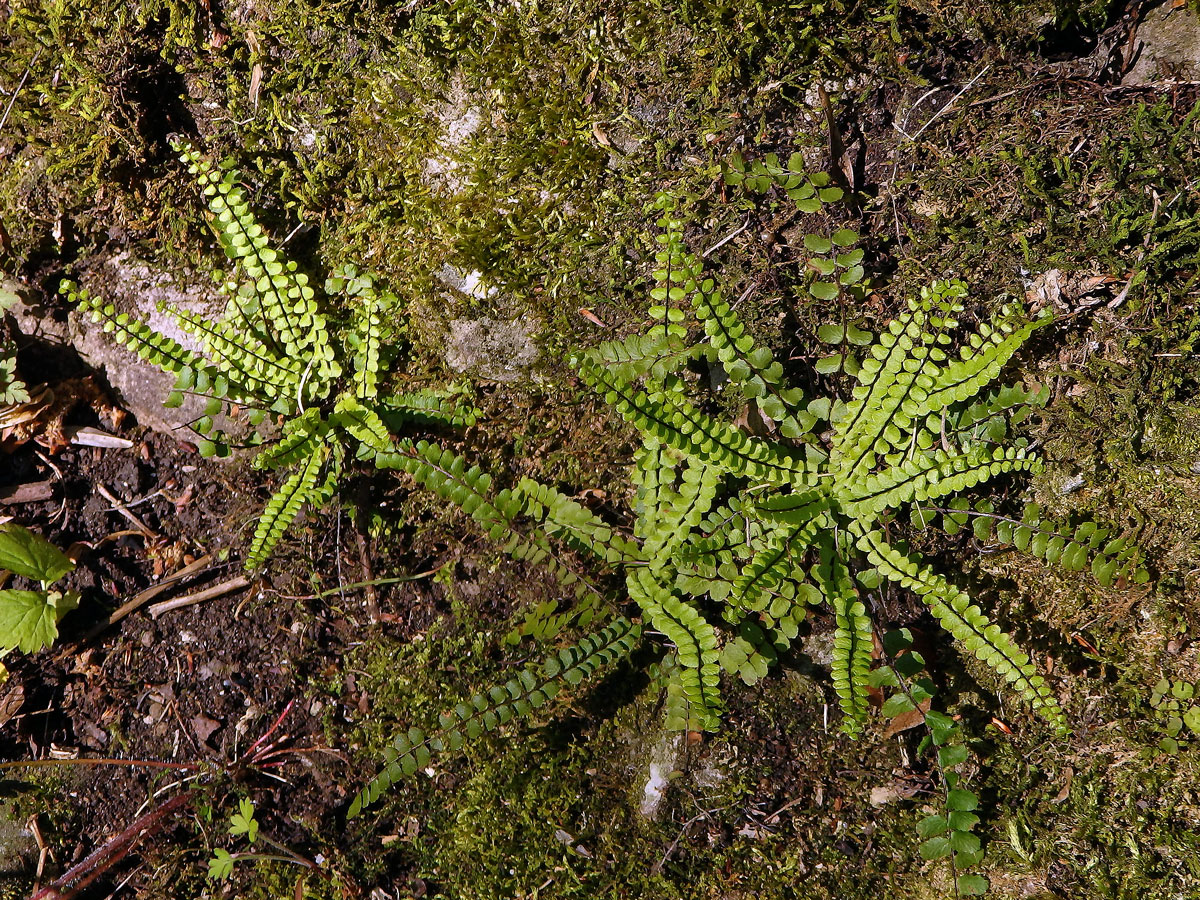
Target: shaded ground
point(997, 142)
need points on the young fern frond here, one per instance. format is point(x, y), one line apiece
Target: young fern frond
point(252, 368)
point(676, 521)
point(428, 407)
point(679, 713)
point(668, 417)
point(286, 301)
point(487, 711)
point(655, 355)
point(299, 488)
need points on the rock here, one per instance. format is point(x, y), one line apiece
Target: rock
point(137, 287)
point(18, 848)
point(1168, 47)
point(461, 117)
point(664, 759)
point(494, 349)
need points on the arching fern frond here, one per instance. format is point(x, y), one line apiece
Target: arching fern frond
point(965, 620)
point(487, 711)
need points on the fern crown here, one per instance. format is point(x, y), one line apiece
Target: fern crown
point(274, 358)
point(770, 526)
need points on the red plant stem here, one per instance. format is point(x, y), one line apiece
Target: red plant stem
point(112, 852)
point(279, 721)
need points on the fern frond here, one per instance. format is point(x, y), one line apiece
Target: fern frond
point(300, 437)
point(362, 423)
point(748, 653)
point(675, 522)
point(428, 407)
point(469, 488)
point(1071, 547)
point(852, 642)
point(670, 418)
point(299, 488)
point(564, 517)
point(679, 714)
point(751, 368)
point(930, 477)
point(360, 288)
point(288, 303)
point(695, 641)
point(156, 349)
point(965, 621)
point(771, 567)
point(253, 368)
point(487, 711)
point(656, 355)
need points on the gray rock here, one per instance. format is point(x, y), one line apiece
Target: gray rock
point(494, 349)
point(136, 287)
point(18, 848)
point(1168, 47)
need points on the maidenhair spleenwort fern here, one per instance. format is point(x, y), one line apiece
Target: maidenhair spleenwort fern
point(484, 712)
point(779, 525)
point(274, 359)
point(735, 536)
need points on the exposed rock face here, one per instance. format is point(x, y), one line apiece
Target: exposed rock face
point(137, 288)
point(1168, 47)
point(494, 349)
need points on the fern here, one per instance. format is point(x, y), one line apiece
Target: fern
point(499, 705)
point(807, 519)
point(274, 357)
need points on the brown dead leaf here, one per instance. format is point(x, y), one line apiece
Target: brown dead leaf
point(752, 421)
point(591, 317)
point(42, 418)
point(256, 75)
point(10, 703)
point(1066, 788)
point(204, 727)
point(907, 720)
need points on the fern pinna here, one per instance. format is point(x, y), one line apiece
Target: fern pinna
point(274, 358)
point(769, 527)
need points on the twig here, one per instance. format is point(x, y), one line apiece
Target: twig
point(775, 815)
point(341, 588)
point(657, 868)
point(937, 115)
point(140, 599)
point(118, 506)
point(364, 554)
point(20, 85)
point(219, 590)
point(723, 241)
point(100, 861)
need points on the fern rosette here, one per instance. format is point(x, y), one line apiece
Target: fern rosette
point(274, 358)
point(801, 520)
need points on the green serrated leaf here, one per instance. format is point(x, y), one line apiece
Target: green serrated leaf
point(29, 619)
point(831, 334)
point(30, 555)
point(935, 848)
point(962, 800)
